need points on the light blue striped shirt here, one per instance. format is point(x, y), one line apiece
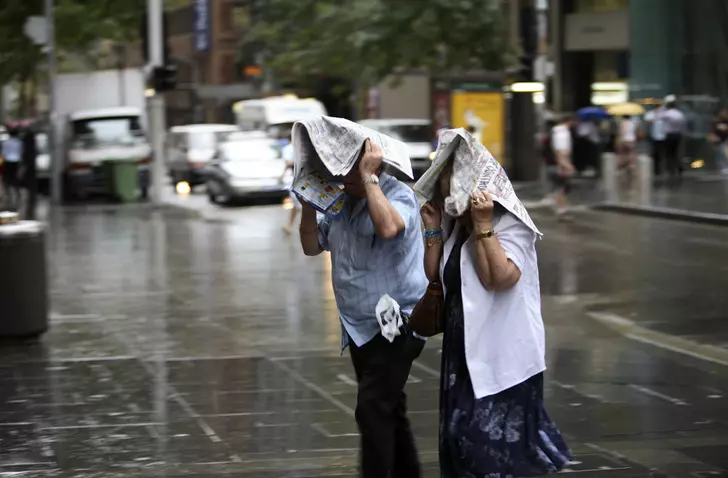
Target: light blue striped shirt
point(364, 267)
point(12, 150)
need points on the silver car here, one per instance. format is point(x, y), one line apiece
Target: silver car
point(247, 167)
point(417, 134)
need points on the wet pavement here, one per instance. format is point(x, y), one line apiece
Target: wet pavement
point(701, 192)
point(189, 345)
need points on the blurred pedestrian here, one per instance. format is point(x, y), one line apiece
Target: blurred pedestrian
point(719, 137)
point(674, 121)
point(12, 152)
point(562, 170)
point(29, 173)
point(586, 145)
point(627, 142)
point(288, 157)
point(376, 249)
point(492, 416)
point(657, 138)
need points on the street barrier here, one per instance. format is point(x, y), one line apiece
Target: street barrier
point(23, 278)
point(644, 180)
point(609, 176)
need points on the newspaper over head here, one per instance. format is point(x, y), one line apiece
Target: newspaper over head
point(327, 148)
point(473, 168)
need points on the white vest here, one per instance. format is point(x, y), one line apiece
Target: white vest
point(504, 333)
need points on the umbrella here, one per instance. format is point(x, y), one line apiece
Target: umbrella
point(626, 109)
point(592, 113)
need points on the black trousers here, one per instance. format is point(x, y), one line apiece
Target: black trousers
point(658, 156)
point(672, 153)
point(388, 448)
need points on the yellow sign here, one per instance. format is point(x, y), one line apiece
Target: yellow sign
point(483, 111)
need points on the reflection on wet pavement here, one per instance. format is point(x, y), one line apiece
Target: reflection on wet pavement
point(180, 347)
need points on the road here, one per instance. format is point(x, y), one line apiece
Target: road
point(207, 345)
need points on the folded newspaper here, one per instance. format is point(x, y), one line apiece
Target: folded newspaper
point(473, 168)
point(327, 148)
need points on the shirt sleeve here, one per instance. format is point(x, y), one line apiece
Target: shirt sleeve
point(404, 201)
point(517, 240)
point(324, 225)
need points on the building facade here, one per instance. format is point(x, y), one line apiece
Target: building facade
point(607, 51)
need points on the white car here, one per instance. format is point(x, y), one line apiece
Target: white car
point(247, 167)
point(416, 133)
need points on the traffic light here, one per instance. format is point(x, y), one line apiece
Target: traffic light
point(164, 78)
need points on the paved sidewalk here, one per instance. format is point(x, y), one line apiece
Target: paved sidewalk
point(699, 197)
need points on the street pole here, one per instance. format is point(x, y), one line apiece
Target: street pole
point(55, 139)
point(156, 103)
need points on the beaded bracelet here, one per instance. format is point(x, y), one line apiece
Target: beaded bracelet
point(429, 233)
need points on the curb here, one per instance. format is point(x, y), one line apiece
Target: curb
point(665, 213)
point(631, 330)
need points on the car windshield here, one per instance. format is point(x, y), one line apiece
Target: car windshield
point(41, 143)
point(121, 130)
point(408, 133)
point(250, 150)
point(206, 139)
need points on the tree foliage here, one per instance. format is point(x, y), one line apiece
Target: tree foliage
point(367, 40)
point(79, 25)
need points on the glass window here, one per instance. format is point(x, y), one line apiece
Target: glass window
point(41, 143)
point(409, 133)
point(250, 150)
point(205, 139)
point(107, 131)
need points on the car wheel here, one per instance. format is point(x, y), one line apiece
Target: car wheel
point(216, 193)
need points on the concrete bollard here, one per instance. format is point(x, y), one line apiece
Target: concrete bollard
point(644, 180)
point(609, 176)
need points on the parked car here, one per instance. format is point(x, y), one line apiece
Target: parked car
point(248, 166)
point(416, 133)
point(191, 147)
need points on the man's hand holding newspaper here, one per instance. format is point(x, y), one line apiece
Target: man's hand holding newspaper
point(327, 148)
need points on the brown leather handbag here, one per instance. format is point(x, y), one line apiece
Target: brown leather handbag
point(428, 317)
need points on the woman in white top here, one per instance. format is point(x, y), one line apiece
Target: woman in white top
point(627, 143)
point(492, 418)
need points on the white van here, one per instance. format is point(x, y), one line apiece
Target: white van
point(277, 114)
point(92, 137)
point(191, 147)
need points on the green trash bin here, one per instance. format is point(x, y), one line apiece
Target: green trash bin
point(124, 179)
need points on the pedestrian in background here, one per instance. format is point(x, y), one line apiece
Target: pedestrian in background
point(492, 416)
point(627, 143)
point(29, 173)
point(657, 138)
point(376, 249)
point(289, 156)
point(561, 172)
point(674, 121)
point(12, 152)
point(719, 137)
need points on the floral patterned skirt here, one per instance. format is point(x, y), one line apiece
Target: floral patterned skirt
point(507, 435)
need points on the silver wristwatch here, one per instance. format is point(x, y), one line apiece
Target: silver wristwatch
point(373, 179)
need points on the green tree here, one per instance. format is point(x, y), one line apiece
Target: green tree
point(364, 41)
point(79, 25)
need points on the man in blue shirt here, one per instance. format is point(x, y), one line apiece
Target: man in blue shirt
point(376, 248)
point(12, 153)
